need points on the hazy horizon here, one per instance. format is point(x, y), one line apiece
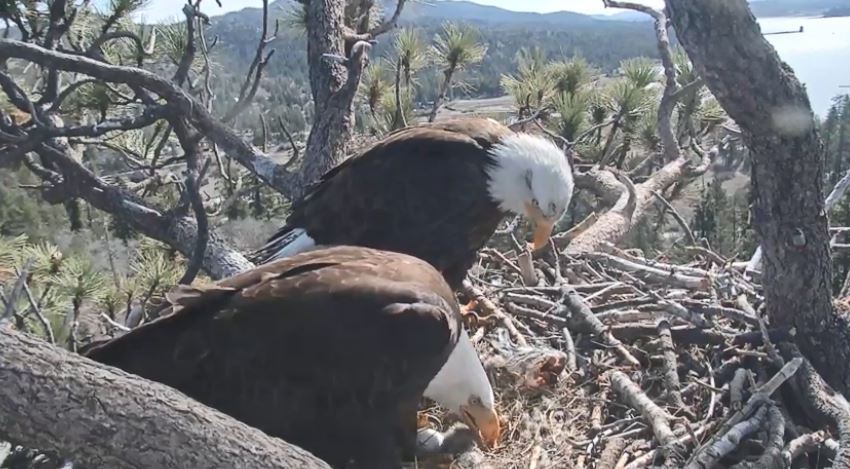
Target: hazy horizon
point(159, 10)
point(818, 56)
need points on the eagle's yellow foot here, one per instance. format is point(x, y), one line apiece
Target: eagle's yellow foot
point(468, 308)
point(421, 419)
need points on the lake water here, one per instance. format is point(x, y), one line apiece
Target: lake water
point(820, 55)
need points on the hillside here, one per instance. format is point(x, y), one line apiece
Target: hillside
point(285, 87)
point(603, 40)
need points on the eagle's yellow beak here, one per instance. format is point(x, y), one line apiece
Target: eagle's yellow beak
point(542, 226)
point(486, 421)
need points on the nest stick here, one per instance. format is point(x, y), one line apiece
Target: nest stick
point(658, 419)
point(670, 376)
point(585, 316)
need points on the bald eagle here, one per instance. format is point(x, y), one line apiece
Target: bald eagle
point(330, 349)
point(436, 191)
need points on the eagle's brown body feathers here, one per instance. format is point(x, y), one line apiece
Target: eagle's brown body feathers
point(271, 347)
point(375, 199)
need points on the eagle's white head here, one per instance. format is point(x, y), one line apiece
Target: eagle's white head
point(462, 387)
point(531, 177)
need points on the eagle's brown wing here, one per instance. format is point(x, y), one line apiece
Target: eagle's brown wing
point(315, 349)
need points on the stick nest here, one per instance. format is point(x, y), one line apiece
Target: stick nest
point(612, 360)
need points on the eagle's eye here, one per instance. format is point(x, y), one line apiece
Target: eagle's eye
point(475, 400)
point(535, 203)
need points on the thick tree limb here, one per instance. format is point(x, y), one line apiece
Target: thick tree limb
point(103, 417)
point(585, 319)
point(670, 376)
point(771, 108)
point(219, 260)
point(615, 224)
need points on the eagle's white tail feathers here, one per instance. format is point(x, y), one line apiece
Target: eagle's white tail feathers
point(296, 241)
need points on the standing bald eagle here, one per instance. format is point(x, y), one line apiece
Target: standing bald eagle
point(435, 191)
point(330, 349)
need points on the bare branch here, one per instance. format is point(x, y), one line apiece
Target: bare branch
point(678, 217)
point(195, 170)
point(291, 140)
point(671, 87)
point(382, 28)
point(222, 135)
point(255, 71)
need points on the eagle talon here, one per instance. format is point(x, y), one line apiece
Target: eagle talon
point(468, 307)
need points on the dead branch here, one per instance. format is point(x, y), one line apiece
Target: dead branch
point(194, 181)
point(730, 440)
point(582, 313)
point(651, 274)
point(222, 135)
point(611, 454)
point(772, 456)
point(255, 71)
point(614, 224)
point(671, 375)
point(692, 240)
point(712, 450)
point(658, 419)
point(80, 401)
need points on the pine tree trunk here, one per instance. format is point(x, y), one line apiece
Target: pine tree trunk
point(99, 416)
point(771, 107)
point(333, 119)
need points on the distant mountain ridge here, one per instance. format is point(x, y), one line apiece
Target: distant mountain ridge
point(465, 10)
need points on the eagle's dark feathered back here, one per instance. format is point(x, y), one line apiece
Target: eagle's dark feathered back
point(422, 191)
point(330, 349)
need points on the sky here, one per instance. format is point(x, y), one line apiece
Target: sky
point(158, 10)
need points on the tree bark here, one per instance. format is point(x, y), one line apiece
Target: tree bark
point(613, 226)
point(103, 417)
point(762, 95)
point(333, 83)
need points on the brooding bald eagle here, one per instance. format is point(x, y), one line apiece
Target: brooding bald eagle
point(435, 191)
point(330, 349)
